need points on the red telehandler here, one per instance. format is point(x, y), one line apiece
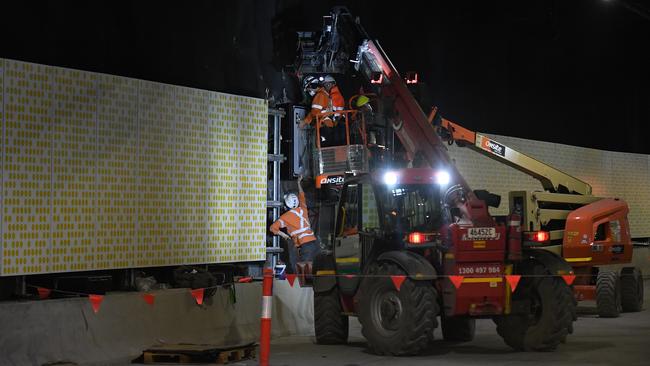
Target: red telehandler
point(401, 210)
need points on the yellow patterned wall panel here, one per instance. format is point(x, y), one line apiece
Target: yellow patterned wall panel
point(102, 172)
point(2, 154)
point(117, 171)
point(190, 142)
point(157, 243)
point(27, 220)
point(74, 140)
point(2, 159)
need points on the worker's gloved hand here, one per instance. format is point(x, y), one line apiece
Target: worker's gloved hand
point(303, 123)
point(287, 237)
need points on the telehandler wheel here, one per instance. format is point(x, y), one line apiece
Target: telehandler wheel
point(457, 329)
point(608, 294)
point(396, 322)
point(551, 308)
point(330, 325)
point(631, 289)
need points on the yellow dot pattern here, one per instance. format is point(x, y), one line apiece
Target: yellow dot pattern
point(100, 171)
point(2, 154)
point(236, 177)
point(27, 168)
point(370, 218)
point(73, 135)
point(117, 172)
point(155, 231)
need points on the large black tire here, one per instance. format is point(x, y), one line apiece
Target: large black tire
point(395, 322)
point(330, 325)
point(458, 329)
point(631, 289)
point(608, 294)
point(551, 313)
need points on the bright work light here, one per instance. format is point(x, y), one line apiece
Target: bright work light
point(390, 178)
point(442, 178)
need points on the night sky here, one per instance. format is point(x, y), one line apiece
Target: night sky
point(569, 71)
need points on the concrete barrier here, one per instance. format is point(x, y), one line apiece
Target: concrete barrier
point(293, 309)
point(38, 332)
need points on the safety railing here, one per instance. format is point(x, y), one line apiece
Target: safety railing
point(335, 117)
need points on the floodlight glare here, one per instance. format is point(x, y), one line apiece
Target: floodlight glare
point(442, 178)
point(390, 178)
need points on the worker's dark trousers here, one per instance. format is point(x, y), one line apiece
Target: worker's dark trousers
point(308, 251)
point(290, 255)
point(333, 136)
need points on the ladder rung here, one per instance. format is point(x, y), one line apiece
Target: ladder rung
point(276, 112)
point(274, 250)
point(276, 157)
point(273, 204)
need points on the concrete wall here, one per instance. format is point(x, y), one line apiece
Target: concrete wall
point(293, 309)
point(611, 174)
point(37, 332)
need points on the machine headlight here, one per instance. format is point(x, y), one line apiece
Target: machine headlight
point(442, 178)
point(390, 178)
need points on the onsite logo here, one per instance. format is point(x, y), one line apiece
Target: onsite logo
point(324, 179)
point(493, 146)
point(332, 180)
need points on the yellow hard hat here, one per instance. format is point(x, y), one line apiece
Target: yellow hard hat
point(362, 100)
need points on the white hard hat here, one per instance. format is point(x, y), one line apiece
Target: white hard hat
point(309, 80)
point(291, 200)
point(310, 84)
point(328, 79)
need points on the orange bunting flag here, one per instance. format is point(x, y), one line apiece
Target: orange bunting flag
point(198, 295)
point(96, 301)
point(349, 276)
point(456, 280)
point(291, 277)
point(43, 293)
point(397, 281)
point(149, 298)
point(513, 281)
point(569, 279)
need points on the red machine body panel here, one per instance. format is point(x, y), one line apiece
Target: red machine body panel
point(477, 255)
point(598, 234)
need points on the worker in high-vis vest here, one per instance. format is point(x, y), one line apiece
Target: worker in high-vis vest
point(296, 222)
point(326, 98)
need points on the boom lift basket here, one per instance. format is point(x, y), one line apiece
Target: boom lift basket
point(341, 159)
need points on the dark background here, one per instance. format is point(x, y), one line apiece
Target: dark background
point(569, 71)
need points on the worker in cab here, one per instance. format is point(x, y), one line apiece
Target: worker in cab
point(296, 223)
point(327, 99)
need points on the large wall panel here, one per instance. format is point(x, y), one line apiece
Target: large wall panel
point(117, 171)
point(27, 172)
point(101, 171)
point(74, 141)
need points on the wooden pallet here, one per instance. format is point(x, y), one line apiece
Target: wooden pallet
point(198, 353)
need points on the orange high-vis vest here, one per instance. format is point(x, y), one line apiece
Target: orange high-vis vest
point(296, 221)
point(322, 103)
point(338, 103)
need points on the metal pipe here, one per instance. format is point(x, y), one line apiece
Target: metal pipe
point(276, 182)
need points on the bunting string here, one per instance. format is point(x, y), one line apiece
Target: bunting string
point(148, 297)
point(397, 280)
